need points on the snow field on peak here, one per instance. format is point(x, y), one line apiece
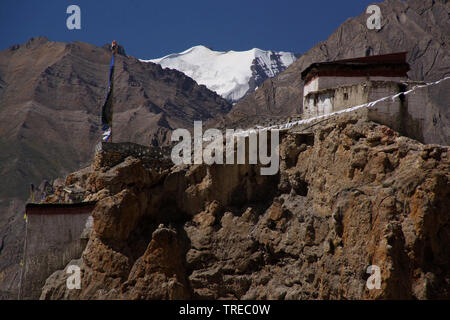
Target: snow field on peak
point(227, 73)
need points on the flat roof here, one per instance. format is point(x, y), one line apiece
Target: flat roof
point(390, 65)
point(60, 208)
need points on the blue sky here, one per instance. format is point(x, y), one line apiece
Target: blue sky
point(151, 29)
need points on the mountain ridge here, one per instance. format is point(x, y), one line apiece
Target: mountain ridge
point(60, 87)
point(232, 74)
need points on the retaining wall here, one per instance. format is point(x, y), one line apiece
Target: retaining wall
point(54, 237)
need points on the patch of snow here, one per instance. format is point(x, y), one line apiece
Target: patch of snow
point(227, 73)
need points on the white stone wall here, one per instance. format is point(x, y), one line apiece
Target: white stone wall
point(340, 85)
point(311, 86)
point(318, 105)
point(405, 115)
point(335, 99)
point(417, 102)
point(349, 96)
point(322, 83)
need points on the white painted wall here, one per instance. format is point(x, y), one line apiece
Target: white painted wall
point(321, 83)
point(326, 94)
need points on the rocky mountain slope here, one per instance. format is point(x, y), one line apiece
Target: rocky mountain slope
point(52, 92)
point(232, 74)
point(50, 99)
point(350, 194)
point(421, 27)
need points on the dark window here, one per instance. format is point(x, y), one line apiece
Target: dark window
point(345, 96)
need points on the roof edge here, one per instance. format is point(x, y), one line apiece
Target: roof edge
point(397, 59)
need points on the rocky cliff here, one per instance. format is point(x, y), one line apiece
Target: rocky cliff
point(420, 27)
point(349, 194)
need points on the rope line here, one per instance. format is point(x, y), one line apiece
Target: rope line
point(350, 109)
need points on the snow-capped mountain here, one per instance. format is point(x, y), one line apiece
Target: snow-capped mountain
point(231, 74)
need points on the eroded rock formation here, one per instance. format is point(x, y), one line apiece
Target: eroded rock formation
point(349, 194)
